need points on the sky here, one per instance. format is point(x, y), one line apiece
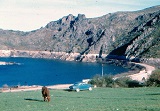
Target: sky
point(27, 15)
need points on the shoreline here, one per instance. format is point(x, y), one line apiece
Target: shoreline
point(3, 63)
point(50, 55)
point(135, 76)
point(34, 88)
point(9, 63)
point(139, 76)
point(143, 74)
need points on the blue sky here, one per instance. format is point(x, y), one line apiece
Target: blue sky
point(27, 15)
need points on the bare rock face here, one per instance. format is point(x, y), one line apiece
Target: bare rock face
point(128, 35)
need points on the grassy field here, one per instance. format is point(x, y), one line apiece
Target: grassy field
point(99, 99)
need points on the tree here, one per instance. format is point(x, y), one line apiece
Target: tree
point(154, 79)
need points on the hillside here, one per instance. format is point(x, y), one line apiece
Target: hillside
point(124, 34)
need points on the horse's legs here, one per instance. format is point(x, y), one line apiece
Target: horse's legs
point(45, 98)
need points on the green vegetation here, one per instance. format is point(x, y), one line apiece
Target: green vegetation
point(99, 99)
point(109, 81)
point(99, 81)
point(154, 49)
point(154, 79)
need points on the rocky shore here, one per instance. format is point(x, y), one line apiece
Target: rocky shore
point(50, 55)
point(77, 57)
point(9, 63)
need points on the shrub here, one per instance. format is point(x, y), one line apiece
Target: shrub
point(109, 81)
point(154, 79)
point(134, 83)
point(121, 82)
point(99, 81)
point(96, 80)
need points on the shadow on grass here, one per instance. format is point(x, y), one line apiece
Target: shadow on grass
point(67, 90)
point(29, 99)
point(82, 97)
point(154, 94)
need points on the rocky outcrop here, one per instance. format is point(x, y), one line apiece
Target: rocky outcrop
point(49, 55)
point(120, 35)
point(152, 61)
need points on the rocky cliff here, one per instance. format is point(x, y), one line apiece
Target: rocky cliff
point(124, 35)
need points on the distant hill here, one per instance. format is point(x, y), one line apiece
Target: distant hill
point(126, 34)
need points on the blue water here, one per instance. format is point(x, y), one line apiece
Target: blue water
point(50, 72)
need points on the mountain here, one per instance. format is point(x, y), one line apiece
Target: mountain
point(128, 35)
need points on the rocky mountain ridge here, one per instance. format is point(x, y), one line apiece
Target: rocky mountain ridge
point(122, 35)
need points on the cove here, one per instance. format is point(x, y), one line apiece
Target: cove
point(33, 71)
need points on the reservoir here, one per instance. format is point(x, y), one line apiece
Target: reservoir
point(51, 72)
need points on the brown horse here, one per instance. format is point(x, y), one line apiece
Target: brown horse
point(45, 93)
